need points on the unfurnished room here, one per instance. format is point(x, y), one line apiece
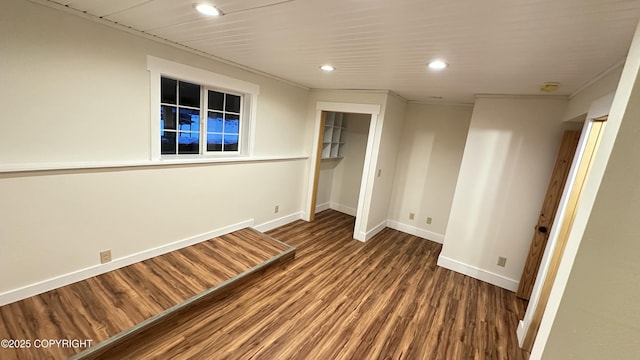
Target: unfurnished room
point(303, 179)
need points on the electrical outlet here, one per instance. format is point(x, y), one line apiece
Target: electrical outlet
point(429, 220)
point(412, 216)
point(276, 209)
point(379, 172)
point(105, 256)
point(502, 261)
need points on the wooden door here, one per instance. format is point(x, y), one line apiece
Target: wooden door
point(548, 212)
point(584, 167)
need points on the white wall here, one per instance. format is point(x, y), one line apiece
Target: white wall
point(593, 311)
point(347, 176)
point(427, 169)
point(508, 158)
point(74, 69)
point(389, 132)
point(325, 184)
point(74, 90)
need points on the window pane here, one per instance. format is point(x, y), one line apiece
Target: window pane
point(188, 143)
point(168, 90)
point(214, 142)
point(181, 125)
point(233, 103)
point(230, 142)
point(168, 143)
point(189, 120)
point(167, 117)
point(189, 94)
point(231, 124)
point(214, 122)
point(216, 100)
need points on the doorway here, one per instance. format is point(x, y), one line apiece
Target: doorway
point(587, 148)
point(547, 214)
point(342, 161)
point(368, 168)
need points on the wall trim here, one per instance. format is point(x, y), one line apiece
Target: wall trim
point(204, 77)
point(365, 236)
point(477, 273)
point(343, 208)
point(421, 233)
point(272, 224)
point(85, 165)
point(522, 97)
point(400, 97)
point(350, 91)
point(40, 287)
point(440, 103)
point(323, 207)
point(599, 77)
point(348, 107)
point(521, 332)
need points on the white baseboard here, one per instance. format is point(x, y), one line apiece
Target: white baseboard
point(521, 332)
point(24, 292)
point(371, 233)
point(343, 209)
point(425, 234)
point(269, 225)
point(477, 273)
point(323, 207)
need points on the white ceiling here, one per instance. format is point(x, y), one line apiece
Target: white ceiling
point(492, 46)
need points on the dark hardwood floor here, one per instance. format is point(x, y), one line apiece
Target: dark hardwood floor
point(342, 299)
point(101, 307)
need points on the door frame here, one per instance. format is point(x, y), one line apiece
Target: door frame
point(368, 171)
point(550, 205)
point(562, 229)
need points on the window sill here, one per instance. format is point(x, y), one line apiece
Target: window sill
point(18, 168)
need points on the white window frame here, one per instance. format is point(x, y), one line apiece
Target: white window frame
point(209, 80)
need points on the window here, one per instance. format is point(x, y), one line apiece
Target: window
point(179, 117)
point(183, 105)
point(223, 121)
point(198, 113)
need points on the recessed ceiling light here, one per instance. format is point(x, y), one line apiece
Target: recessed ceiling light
point(437, 65)
point(327, 68)
point(207, 9)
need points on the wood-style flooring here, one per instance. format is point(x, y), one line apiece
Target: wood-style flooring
point(103, 306)
point(342, 299)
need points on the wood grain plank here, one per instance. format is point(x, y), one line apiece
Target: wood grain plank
point(342, 299)
point(103, 306)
